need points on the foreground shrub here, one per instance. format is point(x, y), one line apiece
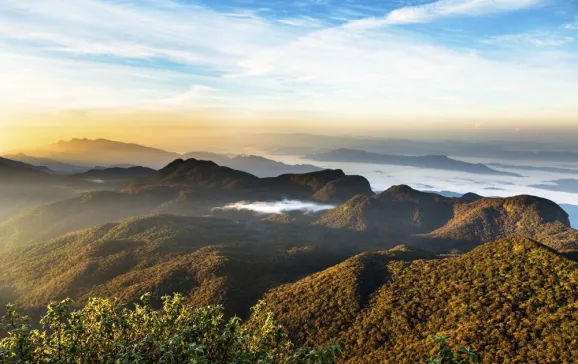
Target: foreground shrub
point(105, 331)
point(446, 355)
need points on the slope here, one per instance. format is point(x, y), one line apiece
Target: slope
point(400, 210)
point(514, 300)
point(209, 260)
point(81, 212)
point(494, 218)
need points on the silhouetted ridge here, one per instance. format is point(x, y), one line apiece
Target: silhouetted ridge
point(471, 197)
point(197, 173)
point(327, 185)
point(9, 165)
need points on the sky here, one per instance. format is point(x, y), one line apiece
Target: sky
point(104, 67)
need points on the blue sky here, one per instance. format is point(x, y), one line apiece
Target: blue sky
point(368, 60)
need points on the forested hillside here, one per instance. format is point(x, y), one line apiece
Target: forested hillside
point(514, 300)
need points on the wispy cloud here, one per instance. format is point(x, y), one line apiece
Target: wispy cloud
point(442, 8)
point(572, 26)
point(302, 21)
point(172, 54)
point(538, 39)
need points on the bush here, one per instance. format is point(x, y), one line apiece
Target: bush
point(105, 331)
point(446, 355)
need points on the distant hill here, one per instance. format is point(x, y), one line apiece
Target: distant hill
point(103, 152)
point(562, 185)
point(256, 165)
point(442, 224)
point(514, 300)
point(399, 210)
point(428, 161)
point(15, 169)
point(53, 165)
point(194, 173)
point(535, 168)
point(489, 219)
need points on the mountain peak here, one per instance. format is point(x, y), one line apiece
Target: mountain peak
point(198, 173)
point(401, 189)
point(471, 197)
point(406, 193)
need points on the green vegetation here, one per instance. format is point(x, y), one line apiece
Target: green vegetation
point(446, 355)
point(209, 261)
point(490, 219)
point(515, 300)
point(105, 331)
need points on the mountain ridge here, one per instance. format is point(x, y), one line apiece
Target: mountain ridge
point(428, 161)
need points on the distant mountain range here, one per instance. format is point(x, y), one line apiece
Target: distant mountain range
point(102, 152)
point(500, 150)
point(259, 166)
point(53, 165)
point(535, 168)
point(562, 185)
point(82, 155)
point(429, 161)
